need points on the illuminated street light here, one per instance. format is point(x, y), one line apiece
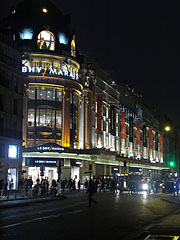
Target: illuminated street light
point(45, 10)
point(167, 128)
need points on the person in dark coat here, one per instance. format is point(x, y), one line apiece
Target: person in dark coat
point(79, 185)
point(91, 190)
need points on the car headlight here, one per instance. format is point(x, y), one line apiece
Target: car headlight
point(145, 186)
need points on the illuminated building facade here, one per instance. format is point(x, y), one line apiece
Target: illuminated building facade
point(73, 112)
point(11, 112)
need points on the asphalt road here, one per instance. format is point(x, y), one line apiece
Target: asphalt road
point(114, 216)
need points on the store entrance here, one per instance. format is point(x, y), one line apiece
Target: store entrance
point(75, 174)
point(50, 173)
point(12, 179)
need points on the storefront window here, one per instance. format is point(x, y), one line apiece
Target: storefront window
point(58, 119)
point(46, 93)
point(46, 40)
point(59, 95)
point(45, 118)
point(32, 93)
point(49, 94)
point(12, 178)
point(31, 114)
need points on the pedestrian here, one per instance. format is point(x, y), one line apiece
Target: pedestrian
point(177, 186)
point(79, 185)
point(70, 184)
point(91, 191)
point(157, 186)
point(121, 186)
point(63, 185)
point(114, 185)
point(86, 184)
point(74, 185)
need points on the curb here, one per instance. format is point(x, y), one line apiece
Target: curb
point(170, 200)
point(26, 202)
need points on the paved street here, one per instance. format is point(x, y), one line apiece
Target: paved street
point(123, 216)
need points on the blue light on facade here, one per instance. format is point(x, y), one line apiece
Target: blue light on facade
point(26, 33)
point(62, 38)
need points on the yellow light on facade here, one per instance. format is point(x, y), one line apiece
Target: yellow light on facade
point(167, 128)
point(45, 10)
point(14, 11)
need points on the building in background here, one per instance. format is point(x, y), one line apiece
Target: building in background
point(11, 111)
point(75, 116)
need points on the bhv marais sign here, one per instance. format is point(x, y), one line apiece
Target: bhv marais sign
point(51, 71)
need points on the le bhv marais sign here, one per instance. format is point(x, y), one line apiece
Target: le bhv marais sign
point(51, 71)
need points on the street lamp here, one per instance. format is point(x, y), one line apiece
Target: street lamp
point(167, 128)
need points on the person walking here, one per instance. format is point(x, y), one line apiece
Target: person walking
point(91, 191)
point(79, 185)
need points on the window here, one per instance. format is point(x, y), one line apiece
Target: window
point(15, 84)
point(58, 119)
point(26, 33)
point(15, 106)
point(46, 40)
point(31, 114)
point(2, 150)
point(59, 95)
point(32, 93)
point(62, 38)
point(13, 151)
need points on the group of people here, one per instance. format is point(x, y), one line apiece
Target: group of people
point(70, 184)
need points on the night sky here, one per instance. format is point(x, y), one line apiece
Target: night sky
point(138, 44)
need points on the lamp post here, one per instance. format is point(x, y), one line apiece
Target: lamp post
point(167, 128)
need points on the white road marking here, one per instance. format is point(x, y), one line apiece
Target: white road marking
point(40, 218)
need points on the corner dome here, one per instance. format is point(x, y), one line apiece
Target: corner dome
point(38, 15)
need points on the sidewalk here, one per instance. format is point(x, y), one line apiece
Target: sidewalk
point(23, 200)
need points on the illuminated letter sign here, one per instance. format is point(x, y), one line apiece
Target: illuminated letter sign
point(52, 71)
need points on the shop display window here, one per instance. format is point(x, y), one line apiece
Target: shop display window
point(59, 95)
point(13, 151)
point(58, 119)
point(46, 118)
point(46, 40)
point(32, 93)
point(31, 114)
point(12, 178)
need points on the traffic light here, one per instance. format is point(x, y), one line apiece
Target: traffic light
point(172, 164)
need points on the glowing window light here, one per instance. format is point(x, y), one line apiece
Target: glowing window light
point(62, 38)
point(13, 151)
point(46, 40)
point(26, 33)
point(14, 11)
point(44, 10)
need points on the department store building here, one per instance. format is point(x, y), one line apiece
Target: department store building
point(74, 114)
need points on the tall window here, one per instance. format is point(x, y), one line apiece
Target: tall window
point(46, 40)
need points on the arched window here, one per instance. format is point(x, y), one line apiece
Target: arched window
point(46, 40)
